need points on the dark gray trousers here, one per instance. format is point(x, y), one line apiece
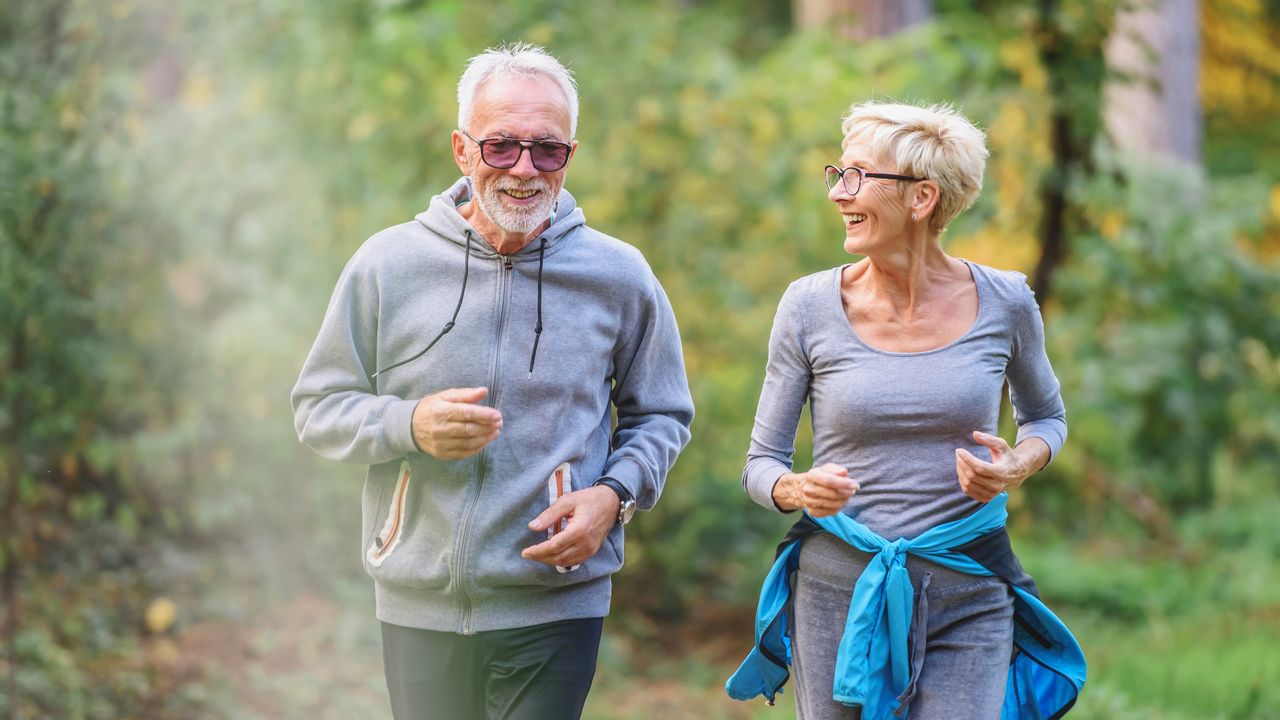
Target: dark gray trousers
point(969, 637)
point(531, 673)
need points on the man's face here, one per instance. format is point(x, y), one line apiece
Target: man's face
point(517, 199)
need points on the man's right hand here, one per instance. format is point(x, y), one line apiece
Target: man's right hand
point(449, 425)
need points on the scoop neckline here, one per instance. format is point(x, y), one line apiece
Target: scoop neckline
point(844, 317)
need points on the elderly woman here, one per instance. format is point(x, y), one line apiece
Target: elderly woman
point(897, 593)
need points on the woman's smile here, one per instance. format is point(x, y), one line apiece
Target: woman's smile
point(851, 219)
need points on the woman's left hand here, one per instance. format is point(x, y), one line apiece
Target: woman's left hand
point(982, 480)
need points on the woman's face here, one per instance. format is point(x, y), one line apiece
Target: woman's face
point(878, 216)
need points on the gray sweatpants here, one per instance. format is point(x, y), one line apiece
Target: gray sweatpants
point(969, 638)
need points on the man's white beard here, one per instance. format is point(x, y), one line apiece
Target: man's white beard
point(516, 220)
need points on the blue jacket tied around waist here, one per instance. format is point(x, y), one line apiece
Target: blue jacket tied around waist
point(874, 666)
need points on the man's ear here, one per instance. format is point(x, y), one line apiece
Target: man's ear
point(460, 152)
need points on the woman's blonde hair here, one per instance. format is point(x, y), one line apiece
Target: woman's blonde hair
point(933, 142)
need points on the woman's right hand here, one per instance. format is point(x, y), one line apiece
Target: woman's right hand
point(822, 491)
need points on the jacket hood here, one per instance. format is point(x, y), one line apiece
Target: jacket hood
point(442, 218)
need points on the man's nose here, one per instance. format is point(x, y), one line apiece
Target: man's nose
point(524, 164)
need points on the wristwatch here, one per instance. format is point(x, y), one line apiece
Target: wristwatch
point(626, 503)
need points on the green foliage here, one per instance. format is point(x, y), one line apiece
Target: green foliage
point(91, 356)
point(1167, 638)
point(181, 184)
point(1170, 329)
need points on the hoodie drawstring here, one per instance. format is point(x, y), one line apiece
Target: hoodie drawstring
point(466, 268)
point(537, 329)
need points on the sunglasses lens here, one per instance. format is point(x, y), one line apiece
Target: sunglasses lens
point(501, 153)
point(504, 154)
point(549, 157)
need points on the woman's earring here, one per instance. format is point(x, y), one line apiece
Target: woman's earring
point(914, 217)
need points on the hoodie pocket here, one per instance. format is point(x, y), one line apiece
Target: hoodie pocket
point(559, 483)
point(386, 540)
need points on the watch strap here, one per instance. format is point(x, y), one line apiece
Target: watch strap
point(626, 502)
point(617, 488)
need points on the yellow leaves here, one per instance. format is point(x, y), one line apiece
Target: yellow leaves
point(362, 126)
point(698, 189)
point(648, 112)
point(766, 129)
point(1241, 57)
point(166, 653)
point(160, 615)
point(1019, 54)
point(540, 33)
point(1275, 203)
point(395, 84)
point(693, 108)
point(1012, 120)
point(773, 222)
point(197, 91)
point(45, 187)
point(1111, 225)
point(68, 118)
point(1014, 249)
point(607, 208)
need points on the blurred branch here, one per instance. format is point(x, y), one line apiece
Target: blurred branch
point(1072, 58)
point(13, 474)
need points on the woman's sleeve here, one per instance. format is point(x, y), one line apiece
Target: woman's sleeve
point(786, 387)
point(1034, 391)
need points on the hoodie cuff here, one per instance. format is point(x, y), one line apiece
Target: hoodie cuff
point(397, 422)
point(630, 475)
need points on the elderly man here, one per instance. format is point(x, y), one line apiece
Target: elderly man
point(472, 358)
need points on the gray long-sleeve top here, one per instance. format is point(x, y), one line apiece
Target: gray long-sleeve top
point(894, 419)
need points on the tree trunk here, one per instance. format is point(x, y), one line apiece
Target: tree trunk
point(861, 19)
point(11, 474)
point(1070, 50)
point(1157, 108)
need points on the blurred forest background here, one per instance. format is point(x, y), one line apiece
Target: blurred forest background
point(181, 183)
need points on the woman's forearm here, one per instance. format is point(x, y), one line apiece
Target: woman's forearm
point(1032, 454)
point(786, 492)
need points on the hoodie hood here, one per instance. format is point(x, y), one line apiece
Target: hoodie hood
point(442, 218)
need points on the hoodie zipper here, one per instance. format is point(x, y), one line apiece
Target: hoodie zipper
point(495, 367)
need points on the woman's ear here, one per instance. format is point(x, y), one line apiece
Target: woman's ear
point(924, 199)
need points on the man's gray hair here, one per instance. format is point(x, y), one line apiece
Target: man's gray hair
point(514, 59)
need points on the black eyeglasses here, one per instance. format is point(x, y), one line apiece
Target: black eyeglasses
point(853, 177)
point(503, 153)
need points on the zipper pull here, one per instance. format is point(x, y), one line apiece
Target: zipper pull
point(506, 261)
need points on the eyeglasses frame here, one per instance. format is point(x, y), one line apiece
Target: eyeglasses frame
point(862, 177)
point(525, 145)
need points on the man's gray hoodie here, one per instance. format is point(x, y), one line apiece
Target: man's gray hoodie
point(442, 538)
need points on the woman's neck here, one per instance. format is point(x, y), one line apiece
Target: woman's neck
point(903, 279)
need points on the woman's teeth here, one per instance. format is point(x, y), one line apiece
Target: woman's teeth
point(854, 218)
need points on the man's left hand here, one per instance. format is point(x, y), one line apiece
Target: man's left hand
point(590, 513)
